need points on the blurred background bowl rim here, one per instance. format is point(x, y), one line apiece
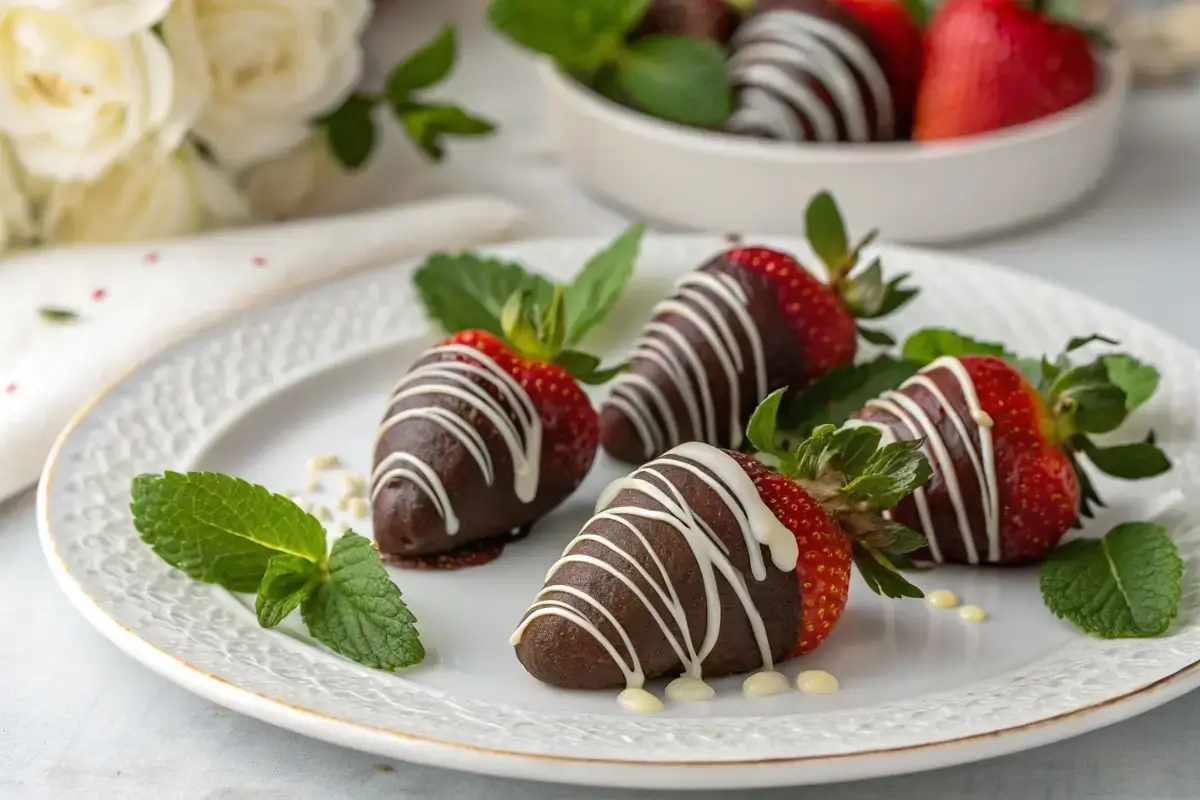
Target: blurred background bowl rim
point(1115, 77)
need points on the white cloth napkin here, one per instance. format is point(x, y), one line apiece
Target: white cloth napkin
point(134, 299)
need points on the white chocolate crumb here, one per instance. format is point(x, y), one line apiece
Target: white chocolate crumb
point(323, 461)
point(358, 507)
point(972, 614)
point(983, 419)
point(942, 598)
point(313, 485)
point(816, 681)
point(343, 503)
point(353, 485)
point(324, 514)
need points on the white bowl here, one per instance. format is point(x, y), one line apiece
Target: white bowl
point(912, 192)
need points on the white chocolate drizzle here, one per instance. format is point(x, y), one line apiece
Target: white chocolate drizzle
point(711, 302)
point(766, 683)
point(758, 526)
point(514, 417)
point(909, 413)
point(779, 56)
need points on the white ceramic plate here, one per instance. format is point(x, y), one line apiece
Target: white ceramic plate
point(257, 396)
point(939, 192)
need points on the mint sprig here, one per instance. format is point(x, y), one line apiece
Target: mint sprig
point(677, 78)
point(464, 291)
point(1125, 585)
point(834, 398)
point(351, 131)
point(224, 530)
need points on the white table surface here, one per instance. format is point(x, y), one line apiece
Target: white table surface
point(79, 719)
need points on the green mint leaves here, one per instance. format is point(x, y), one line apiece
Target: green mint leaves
point(223, 530)
point(1125, 585)
point(465, 291)
point(593, 292)
point(892, 473)
point(359, 612)
point(866, 295)
point(677, 78)
point(928, 345)
point(350, 129)
point(834, 398)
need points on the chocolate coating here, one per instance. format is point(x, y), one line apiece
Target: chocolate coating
point(557, 651)
point(407, 521)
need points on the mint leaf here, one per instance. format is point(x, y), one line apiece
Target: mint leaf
point(896, 295)
point(1126, 585)
point(760, 431)
point(595, 289)
point(917, 10)
point(930, 344)
point(424, 67)
point(1127, 461)
point(220, 529)
point(893, 472)
point(833, 398)
point(359, 612)
point(55, 314)
point(806, 462)
point(286, 584)
point(677, 78)
point(578, 34)
point(586, 367)
point(465, 291)
point(826, 230)
point(427, 123)
point(351, 131)
point(880, 575)
point(1139, 381)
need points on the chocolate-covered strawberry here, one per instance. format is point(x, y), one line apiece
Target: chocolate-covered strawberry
point(707, 562)
point(488, 433)
point(750, 321)
point(1007, 439)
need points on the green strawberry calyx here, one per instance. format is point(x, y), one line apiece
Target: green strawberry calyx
point(856, 481)
point(866, 295)
point(540, 334)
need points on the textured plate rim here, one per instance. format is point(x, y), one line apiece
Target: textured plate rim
point(672, 774)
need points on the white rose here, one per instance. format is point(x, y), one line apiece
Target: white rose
point(106, 17)
point(149, 196)
point(73, 104)
point(16, 213)
point(282, 187)
point(272, 66)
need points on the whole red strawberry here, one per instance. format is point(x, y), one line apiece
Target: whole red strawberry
point(751, 320)
point(688, 567)
point(896, 29)
point(1008, 479)
point(992, 64)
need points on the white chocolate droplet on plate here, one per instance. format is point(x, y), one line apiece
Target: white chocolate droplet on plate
point(767, 682)
point(972, 614)
point(639, 701)
point(689, 689)
point(358, 507)
point(816, 681)
point(942, 598)
point(323, 461)
point(354, 485)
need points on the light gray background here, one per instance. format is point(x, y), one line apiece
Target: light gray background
point(79, 719)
